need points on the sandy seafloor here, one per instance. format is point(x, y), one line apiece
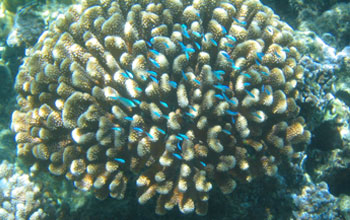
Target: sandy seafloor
point(318, 188)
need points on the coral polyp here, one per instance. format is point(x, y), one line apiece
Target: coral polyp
point(186, 95)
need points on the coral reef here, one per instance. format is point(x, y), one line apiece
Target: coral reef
point(6, 83)
point(332, 25)
point(320, 87)
point(182, 94)
point(344, 205)
point(326, 100)
point(28, 26)
point(314, 5)
point(23, 197)
point(326, 97)
point(315, 202)
point(13, 6)
point(31, 20)
point(20, 198)
point(6, 22)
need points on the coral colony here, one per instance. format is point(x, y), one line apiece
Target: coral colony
point(186, 95)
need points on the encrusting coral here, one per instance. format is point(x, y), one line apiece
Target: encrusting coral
point(21, 198)
point(184, 94)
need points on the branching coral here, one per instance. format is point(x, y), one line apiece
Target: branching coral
point(185, 94)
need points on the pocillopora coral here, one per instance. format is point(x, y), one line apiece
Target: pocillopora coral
point(184, 94)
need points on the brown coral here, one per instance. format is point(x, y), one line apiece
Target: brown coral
point(183, 94)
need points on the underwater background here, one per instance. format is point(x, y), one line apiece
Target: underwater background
point(174, 109)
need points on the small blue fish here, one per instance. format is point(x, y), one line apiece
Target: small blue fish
point(166, 45)
point(204, 37)
point(152, 40)
point(246, 75)
point(232, 102)
point(128, 118)
point(219, 72)
point(138, 89)
point(177, 156)
point(185, 33)
point(190, 50)
point(149, 43)
point(229, 45)
point(184, 75)
point(286, 50)
point(117, 128)
point(260, 55)
point(173, 84)
point(231, 61)
point(143, 77)
point(267, 91)
point(183, 136)
point(236, 67)
point(231, 38)
point(152, 73)
point(193, 108)
point(198, 15)
point(154, 62)
point(203, 164)
point(240, 22)
point(256, 115)
point(197, 34)
point(226, 131)
point(130, 74)
point(164, 104)
point(179, 138)
point(154, 79)
point(264, 73)
point(246, 84)
point(225, 54)
point(137, 101)
point(161, 130)
point(221, 87)
point(277, 54)
point(225, 97)
point(120, 160)
point(197, 45)
point(219, 96)
point(196, 81)
point(218, 76)
point(232, 113)
point(257, 62)
point(125, 101)
point(154, 52)
point(263, 88)
point(189, 114)
point(149, 135)
point(166, 117)
point(269, 29)
point(223, 30)
point(157, 114)
point(187, 56)
point(138, 129)
point(124, 74)
point(214, 42)
point(183, 47)
point(249, 93)
point(179, 146)
point(233, 120)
